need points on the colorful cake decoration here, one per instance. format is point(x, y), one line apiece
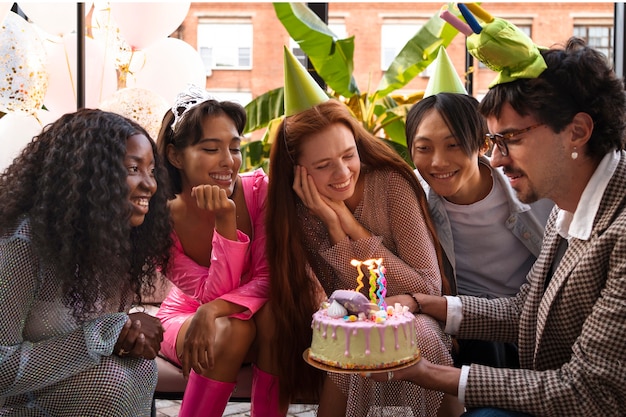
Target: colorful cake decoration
point(377, 280)
point(359, 278)
point(351, 332)
point(354, 302)
point(354, 332)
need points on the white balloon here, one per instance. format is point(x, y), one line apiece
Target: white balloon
point(142, 24)
point(16, 131)
point(105, 31)
point(5, 7)
point(55, 18)
point(143, 106)
point(170, 64)
point(23, 72)
point(100, 74)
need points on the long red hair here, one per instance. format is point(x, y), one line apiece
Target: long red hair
point(294, 293)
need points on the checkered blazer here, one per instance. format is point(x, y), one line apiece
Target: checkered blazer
point(572, 339)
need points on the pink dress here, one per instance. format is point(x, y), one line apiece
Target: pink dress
point(238, 273)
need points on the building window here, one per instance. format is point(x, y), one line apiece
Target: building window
point(598, 37)
point(297, 52)
point(336, 26)
point(225, 44)
point(394, 35)
point(241, 97)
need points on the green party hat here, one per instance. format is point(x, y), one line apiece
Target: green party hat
point(504, 48)
point(301, 91)
point(444, 78)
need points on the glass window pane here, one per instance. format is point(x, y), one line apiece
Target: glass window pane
point(597, 36)
point(230, 44)
point(393, 39)
point(339, 29)
point(207, 58)
point(244, 57)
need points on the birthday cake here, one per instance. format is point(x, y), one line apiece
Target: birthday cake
point(350, 332)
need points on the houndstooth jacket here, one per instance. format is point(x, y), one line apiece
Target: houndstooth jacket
point(572, 339)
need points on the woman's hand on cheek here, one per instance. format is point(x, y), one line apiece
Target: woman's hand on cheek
point(305, 188)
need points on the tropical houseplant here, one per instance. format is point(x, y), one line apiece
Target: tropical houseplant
point(381, 112)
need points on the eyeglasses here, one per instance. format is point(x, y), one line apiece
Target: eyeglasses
point(501, 139)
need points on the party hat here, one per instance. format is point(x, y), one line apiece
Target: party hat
point(504, 48)
point(301, 90)
point(444, 78)
point(498, 44)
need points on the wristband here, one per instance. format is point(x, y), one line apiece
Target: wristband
point(419, 306)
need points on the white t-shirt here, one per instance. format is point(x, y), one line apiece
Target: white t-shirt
point(490, 261)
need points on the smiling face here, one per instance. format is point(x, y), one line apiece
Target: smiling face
point(537, 159)
point(331, 158)
point(139, 161)
point(442, 162)
point(215, 159)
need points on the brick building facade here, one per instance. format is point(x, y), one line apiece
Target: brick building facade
point(257, 66)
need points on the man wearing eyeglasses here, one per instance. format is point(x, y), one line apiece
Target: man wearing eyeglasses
point(560, 136)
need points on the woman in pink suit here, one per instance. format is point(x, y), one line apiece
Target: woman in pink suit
point(212, 315)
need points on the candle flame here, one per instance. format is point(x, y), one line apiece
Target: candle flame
point(359, 279)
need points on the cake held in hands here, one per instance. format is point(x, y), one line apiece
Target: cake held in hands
point(349, 332)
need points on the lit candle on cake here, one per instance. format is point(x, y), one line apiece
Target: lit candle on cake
point(359, 279)
point(382, 285)
point(371, 265)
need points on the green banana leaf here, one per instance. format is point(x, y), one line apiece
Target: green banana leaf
point(331, 57)
point(264, 109)
point(255, 153)
point(390, 116)
point(416, 55)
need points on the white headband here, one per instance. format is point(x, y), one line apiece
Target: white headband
point(187, 100)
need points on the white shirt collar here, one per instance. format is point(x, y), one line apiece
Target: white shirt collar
point(580, 223)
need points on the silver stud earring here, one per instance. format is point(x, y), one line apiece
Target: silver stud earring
point(574, 153)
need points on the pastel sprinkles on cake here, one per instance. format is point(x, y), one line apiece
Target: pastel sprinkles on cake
point(351, 332)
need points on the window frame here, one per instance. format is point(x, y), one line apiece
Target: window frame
point(241, 21)
point(336, 24)
point(395, 21)
point(603, 21)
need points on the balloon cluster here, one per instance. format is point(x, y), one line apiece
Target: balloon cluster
point(24, 79)
point(125, 64)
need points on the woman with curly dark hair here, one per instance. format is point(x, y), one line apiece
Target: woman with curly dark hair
point(84, 226)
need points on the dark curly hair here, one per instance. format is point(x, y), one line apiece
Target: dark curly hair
point(578, 79)
point(70, 181)
point(189, 132)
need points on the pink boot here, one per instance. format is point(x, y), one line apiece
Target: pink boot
point(265, 389)
point(205, 397)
